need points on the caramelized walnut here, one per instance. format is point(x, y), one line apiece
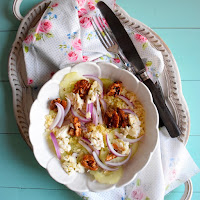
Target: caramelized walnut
point(115, 89)
point(82, 87)
point(58, 100)
point(117, 148)
point(111, 118)
point(77, 127)
point(110, 156)
point(123, 118)
point(89, 162)
point(71, 132)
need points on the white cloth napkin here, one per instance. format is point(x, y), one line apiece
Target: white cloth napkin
point(170, 166)
point(64, 36)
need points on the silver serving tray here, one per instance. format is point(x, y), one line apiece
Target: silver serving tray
point(23, 96)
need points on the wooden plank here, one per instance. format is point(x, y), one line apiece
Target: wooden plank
point(154, 13)
point(39, 194)
point(8, 20)
point(192, 96)
point(22, 170)
point(32, 194)
point(7, 38)
point(184, 45)
point(171, 14)
point(7, 118)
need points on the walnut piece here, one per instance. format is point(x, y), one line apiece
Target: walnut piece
point(110, 156)
point(77, 127)
point(81, 87)
point(115, 89)
point(111, 118)
point(123, 118)
point(89, 162)
point(58, 100)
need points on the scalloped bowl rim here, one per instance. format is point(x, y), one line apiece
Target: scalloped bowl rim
point(49, 160)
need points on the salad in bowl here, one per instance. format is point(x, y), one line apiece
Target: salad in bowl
point(97, 127)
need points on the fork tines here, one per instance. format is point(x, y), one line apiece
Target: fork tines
point(102, 31)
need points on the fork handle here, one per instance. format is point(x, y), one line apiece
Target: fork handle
point(126, 63)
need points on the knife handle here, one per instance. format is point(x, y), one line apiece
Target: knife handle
point(165, 115)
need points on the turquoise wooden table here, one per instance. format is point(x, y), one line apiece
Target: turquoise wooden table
point(178, 24)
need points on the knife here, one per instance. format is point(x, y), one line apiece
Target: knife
point(133, 57)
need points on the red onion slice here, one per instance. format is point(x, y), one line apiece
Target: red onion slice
point(127, 139)
point(103, 103)
point(85, 140)
point(85, 146)
point(68, 106)
point(89, 108)
point(128, 111)
point(62, 115)
point(94, 116)
point(58, 117)
point(127, 101)
point(112, 149)
point(100, 164)
point(55, 143)
point(119, 163)
point(89, 144)
point(82, 119)
point(99, 111)
point(96, 79)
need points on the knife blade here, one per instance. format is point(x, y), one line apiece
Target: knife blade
point(133, 57)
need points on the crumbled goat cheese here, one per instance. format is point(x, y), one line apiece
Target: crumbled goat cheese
point(70, 165)
point(96, 139)
point(88, 115)
point(64, 145)
point(123, 146)
point(95, 90)
point(76, 100)
point(134, 129)
point(63, 132)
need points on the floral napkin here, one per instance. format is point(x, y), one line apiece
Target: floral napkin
point(63, 37)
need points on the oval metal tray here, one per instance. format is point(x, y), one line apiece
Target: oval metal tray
point(23, 96)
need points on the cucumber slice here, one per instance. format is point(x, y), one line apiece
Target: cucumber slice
point(103, 154)
point(106, 83)
point(107, 177)
point(134, 148)
point(68, 82)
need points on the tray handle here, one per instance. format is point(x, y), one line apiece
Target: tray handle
point(16, 9)
point(188, 190)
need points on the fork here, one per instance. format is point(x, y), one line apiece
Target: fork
point(108, 41)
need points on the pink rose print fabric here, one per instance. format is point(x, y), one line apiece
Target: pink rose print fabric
point(85, 22)
point(85, 58)
point(28, 39)
point(137, 194)
point(45, 26)
point(82, 12)
point(72, 56)
point(77, 44)
point(81, 3)
point(140, 38)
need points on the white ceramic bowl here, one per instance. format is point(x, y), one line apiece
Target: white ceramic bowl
point(48, 159)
